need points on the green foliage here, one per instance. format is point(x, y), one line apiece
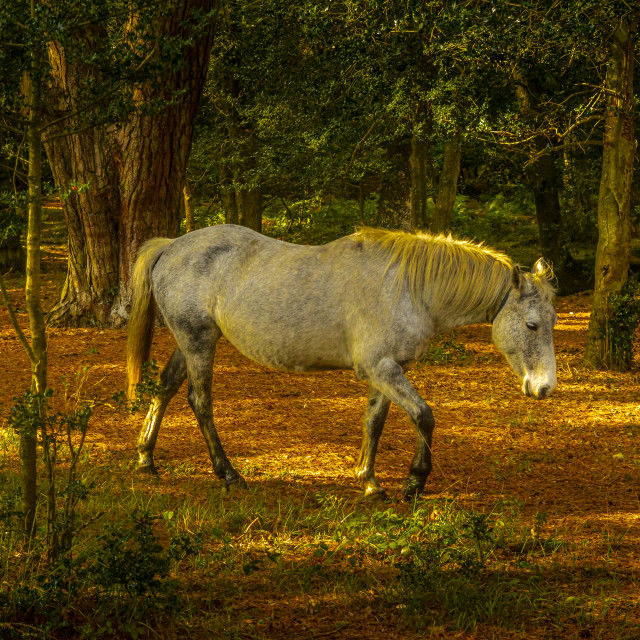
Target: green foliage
point(122, 578)
point(495, 218)
point(131, 562)
point(60, 434)
point(433, 564)
point(148, 388)
point(12, 222)
point(445, 350)
point(455, 565)
point(315, 220)
point(118, 576)
point(623, 324)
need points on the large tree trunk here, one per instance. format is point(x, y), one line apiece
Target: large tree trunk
point(91, 213)
point(130, 176)
point(614, 201)
point(448, 187)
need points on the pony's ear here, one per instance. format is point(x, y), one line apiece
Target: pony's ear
point(516, 278)
point(542, 269)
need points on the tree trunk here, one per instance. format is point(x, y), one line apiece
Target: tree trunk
point(128, 179)
point(250, 208)
point(190, 221)
point(447, 188)
point(394, 205)
point(361, 202)
point(542, 177)
point(418, 165)
point(12, 255)
point(230, 204)
point(83, 169)
point(38, 348)
point(614, 201)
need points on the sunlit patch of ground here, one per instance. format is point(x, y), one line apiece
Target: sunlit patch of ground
point(573, 458)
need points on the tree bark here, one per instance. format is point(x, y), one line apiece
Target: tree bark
point(614, 201)
point(38, 348)
point(124, 182)
point(230, 205)
point(12, 256)
point(394, 205)
point(190, 222)
point(418, 165)
point(542, 176)
point(447, 188)
point(543, 180)
point(250, 208)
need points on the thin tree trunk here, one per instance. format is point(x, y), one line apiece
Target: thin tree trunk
point(614, 201)
point(361, 202)
point(542, 177)
point(38, 347)
point(418, 164)
point(250, 208)
point(230, 205)
point(190, 222)
point(394, 205)
point(447, 188)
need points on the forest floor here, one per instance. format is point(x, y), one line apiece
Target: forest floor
point(571, 465)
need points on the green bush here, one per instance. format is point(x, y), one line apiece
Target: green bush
point(623, 324)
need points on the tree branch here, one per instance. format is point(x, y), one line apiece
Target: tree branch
point(364, 137)
point(22, 176)
point(14, 322)
point(8, 127)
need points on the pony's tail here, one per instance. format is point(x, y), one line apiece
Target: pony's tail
point(142, 314)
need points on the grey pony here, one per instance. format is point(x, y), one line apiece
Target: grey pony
point(370, 302)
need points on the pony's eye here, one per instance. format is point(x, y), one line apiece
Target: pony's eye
point(532, 325)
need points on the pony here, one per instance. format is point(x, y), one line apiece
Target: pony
point(370, 302)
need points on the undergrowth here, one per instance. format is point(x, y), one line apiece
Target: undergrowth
point(163, 565)
point(445, 350)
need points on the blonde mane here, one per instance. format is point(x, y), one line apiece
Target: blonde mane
point(442, 272)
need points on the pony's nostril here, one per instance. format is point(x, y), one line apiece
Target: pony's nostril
point(543, 391)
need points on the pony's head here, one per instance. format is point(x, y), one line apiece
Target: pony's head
point(523, 329)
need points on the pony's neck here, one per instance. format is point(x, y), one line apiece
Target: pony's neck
point(485, 312)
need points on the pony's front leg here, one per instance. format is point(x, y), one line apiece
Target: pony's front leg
point(374, 418)
point(199, 396)
point(389, 377)
point(171, 377)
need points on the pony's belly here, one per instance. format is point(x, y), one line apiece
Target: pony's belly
point(290, 357)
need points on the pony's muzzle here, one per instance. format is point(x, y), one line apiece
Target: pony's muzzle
point(540, 393)
point(543, 391)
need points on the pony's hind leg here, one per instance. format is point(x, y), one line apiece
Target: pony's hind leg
point(389, 377)
point(199, 373)
point(171, 377)
point(374, 418)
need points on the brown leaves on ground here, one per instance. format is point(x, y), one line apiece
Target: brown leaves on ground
point(574, 456)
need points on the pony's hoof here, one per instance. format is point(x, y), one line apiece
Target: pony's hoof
point(372, 491)
point(412, 489)
point(236, 484)
point(148, 470)
point(379, 495)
